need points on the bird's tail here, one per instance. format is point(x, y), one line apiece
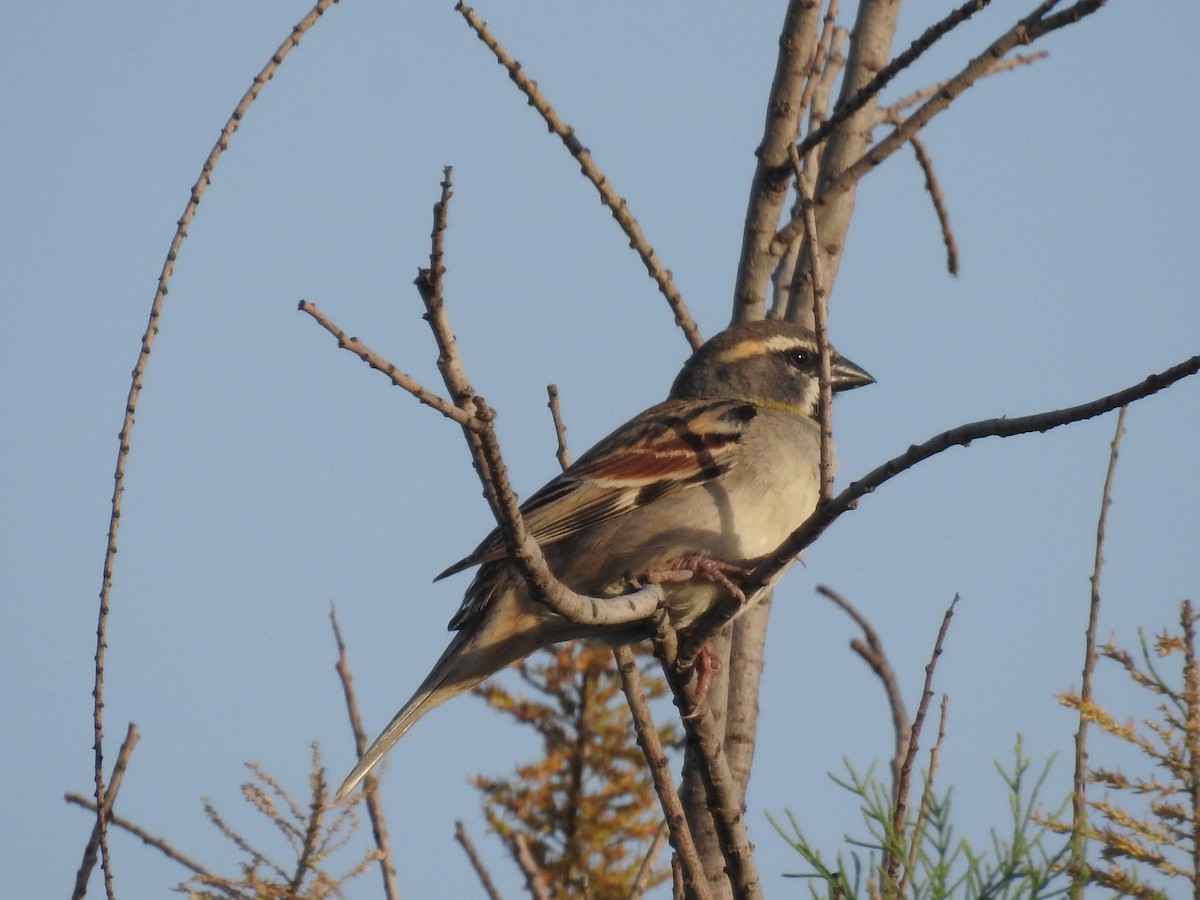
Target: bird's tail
point(473, 655)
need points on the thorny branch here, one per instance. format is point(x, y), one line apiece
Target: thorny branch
point(587, 165)
point(900, 806)
point(125, 437)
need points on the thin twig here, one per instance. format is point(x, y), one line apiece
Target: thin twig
point(768, 188)
point(534, 879)
point(608, 195)
point(84, 875)
point(562, 454)
point(1024, 32)
point(925, 161)
point(873, 655)
point(918, 832)
point(485, 878)
point(891, 865)
point(398, 378)
point(892, 113)
point(660, 773)
point(387, 865)
point(1079, 791)
point(489, 465)
point(124, 438)
point(146, 838)
point(820, 308)
point(872, 88)
point(641, 881)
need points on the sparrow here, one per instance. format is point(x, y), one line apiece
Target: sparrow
point(724, 469)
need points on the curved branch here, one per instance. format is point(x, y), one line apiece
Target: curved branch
point(135, 388)
point(825, 515)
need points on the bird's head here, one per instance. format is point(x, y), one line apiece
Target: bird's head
point(769, 363)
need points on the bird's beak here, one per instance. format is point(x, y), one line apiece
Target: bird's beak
point(847, 376)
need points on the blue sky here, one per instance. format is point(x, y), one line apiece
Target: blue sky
point(272, 474)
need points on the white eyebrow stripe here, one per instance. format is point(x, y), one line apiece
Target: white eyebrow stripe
point(760, 346)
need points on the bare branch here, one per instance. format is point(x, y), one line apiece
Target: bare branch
point(124, 438)
point(562, 454)
point(870, 48)
point(892, 113)
point(963, 435)
point(398, 378)
point(144, 836)
point(84, 875)
point(900, 807)
point(724, 794)
point(768, 190)
point(660, 773)
point(527, 555)
point(1079, 791)
point(872, 88)
point(387, 865)
point(873, 655)
point(825, 515)
point(925, 161)
point(820, 323)
point(646, 869)
point(1024, 32)
point(608, 195)
point(485, 878)
point(935, 754)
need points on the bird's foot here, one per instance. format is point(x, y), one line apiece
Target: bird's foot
point(705, 567)
point(707, 665)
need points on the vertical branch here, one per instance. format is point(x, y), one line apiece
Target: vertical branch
point(820, 310)
point(1078, 794)
point(644, 872)
point(1191, 682)
point(84, 875)
point(124, 438)
point(891, 858)
point(768, 190)
point(918, 832)
point(387, 864)
point(711, 766)
point(870, 48)
point(562, 454)
point(656, 760)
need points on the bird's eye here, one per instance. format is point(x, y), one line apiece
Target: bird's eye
point(800, 358)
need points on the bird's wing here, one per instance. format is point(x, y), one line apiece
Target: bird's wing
point(668, 447)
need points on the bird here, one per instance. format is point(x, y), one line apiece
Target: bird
point(724, 469)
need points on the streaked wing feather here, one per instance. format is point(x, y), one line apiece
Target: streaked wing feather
point(666, 448)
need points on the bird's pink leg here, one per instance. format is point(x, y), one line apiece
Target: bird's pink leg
point(707, 663)
point(700, 567)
